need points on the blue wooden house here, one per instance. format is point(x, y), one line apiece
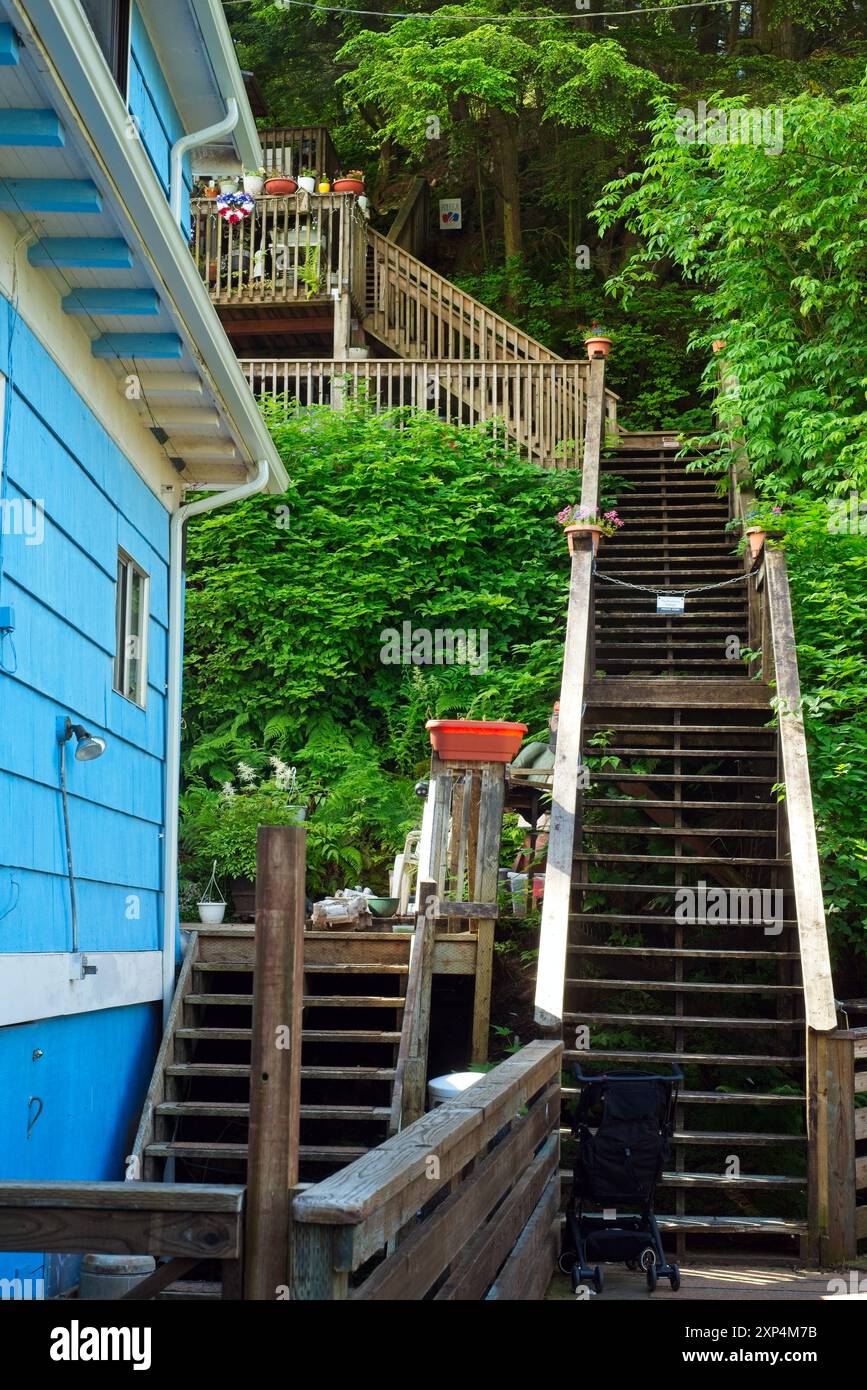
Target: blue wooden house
point(119, 396)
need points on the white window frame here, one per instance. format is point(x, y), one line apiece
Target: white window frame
point(124, 636)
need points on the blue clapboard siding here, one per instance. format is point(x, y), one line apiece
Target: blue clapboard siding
point(91, 1078)
point(86, 500)
point(151, 103)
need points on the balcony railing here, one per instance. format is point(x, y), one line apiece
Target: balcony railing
point(302, 247)
point(536, 408)
point(291, 149)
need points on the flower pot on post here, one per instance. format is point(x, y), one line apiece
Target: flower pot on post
point(583, 528)
point(475, 740)
point(756, 537)
point(597, 341)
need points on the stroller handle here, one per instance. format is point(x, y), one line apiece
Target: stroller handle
point(582, 1077)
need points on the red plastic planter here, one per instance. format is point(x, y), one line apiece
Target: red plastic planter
point(355, 186)
point(475, 740)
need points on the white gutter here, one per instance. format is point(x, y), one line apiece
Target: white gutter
point(214, 27)
point(173, 711)
point(189, 142)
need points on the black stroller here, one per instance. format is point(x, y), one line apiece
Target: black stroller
point(623, 1123)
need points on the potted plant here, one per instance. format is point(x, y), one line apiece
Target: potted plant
point(762, 522)
point(211, 189)
point(352, 182)
point(280, 186)
point(254, 182)
point(228, 183)
point(597, 341)
point(575, 519)
point(212, 904)
point(310, 273)
point(324, 184)
point(220, 824)
point(307, 180)
point(475, 740)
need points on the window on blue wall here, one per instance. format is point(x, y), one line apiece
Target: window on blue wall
point(109, 20)
point(131, 619)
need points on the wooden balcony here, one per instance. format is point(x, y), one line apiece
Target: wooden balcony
point(289, 149)
point(307, 248)
point(537, 408)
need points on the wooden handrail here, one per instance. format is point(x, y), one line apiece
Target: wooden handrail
point(577, 663)
point(536, 407)
point(493, 1155)
point(421, 314)
point(409, 229)
point(407, 1097)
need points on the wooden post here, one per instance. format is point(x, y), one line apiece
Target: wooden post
point(831, 1147)
point(437, 862)
point(275, 1056)
point(418, 1005)
point(486, 883)
point(554, 934)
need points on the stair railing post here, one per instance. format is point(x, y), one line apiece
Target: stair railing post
point(577, 669)
point(275, 1057)
point(831, 1147)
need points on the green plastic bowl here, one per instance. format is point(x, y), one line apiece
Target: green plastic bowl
point(383, 907)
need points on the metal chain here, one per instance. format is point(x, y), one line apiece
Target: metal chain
point(697, 589)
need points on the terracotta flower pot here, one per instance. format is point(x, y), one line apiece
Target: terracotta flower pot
point(595, 346)
point(280, 188)
point(571, 532)
point(756, 537)
point(349, 186)
point(475, 740)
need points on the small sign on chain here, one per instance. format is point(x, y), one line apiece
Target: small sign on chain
point(670, 603)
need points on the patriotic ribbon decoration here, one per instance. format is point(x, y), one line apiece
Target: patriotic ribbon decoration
point(235, 206)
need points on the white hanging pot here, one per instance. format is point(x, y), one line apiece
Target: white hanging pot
point(211, 914)
point(212, 905)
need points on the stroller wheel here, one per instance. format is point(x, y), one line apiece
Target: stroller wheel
point(651, 1278)
point(598, 1280)
point(576, 1278)
point(647, 1257)
point(566, 1261)
point(674, 1278)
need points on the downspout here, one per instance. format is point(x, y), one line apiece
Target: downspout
point(189, 142)
point(173, 710)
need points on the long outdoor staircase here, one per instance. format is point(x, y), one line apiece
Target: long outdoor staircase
point(683, 761)
point(195, 1121)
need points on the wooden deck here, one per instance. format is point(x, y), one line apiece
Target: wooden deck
point(716, 1281)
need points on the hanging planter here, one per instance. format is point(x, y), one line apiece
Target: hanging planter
point(597, 341)
point(280, 187)
point(475, 740)
point(577, 520)
point(212, 904)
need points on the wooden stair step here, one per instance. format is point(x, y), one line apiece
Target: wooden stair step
point(716, 1059)
point(743, 1181)
point(332, 1153)
point(354, 1001)
point(682, 831)
point(213, 1109)
point(747, 1138)
point(658, 888)
point(684, 860)
point(686, 1022)
point(681, 952)
point(309, 1034)
point(709, 754)
point(733, 1225)
point(221, 1070)
point(754, 779)
point(234, 999)
point(684, 986)
point(762, 1098)
point(632, 803)
point(355, 968)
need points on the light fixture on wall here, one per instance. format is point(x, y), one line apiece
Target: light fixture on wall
point(87, 747)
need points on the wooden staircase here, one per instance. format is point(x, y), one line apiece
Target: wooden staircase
point(683, 766)
point(195, 1121)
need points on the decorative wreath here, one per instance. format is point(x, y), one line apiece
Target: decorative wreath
point(235, 206)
